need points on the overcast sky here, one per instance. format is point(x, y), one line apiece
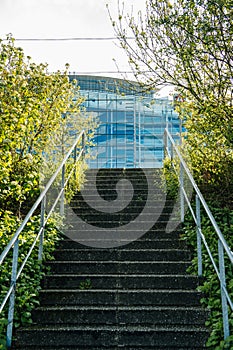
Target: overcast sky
point(65, 19)
point(68, 19)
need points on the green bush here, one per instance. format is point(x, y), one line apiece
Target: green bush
point(169, 179)
point(28, 285)
point(211, 285)
point(38, 113)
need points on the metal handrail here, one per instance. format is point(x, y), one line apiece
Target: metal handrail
point(14, 242)
point(171, 148)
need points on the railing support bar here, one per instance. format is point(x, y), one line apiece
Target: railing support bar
point(223, 247)
point(199, 241)
point(181, 193)
point(75, 161)
point(83, 144)
point(62, 203)
point(14, 241)
point(172, 152)
point(226, 329)
point(42, 222)
point(12, 297)
point(164, 144)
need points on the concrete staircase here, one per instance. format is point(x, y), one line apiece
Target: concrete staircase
point(132, 294)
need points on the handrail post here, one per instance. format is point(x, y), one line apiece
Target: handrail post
point(164, 143)
point(62, 203)
point(12, 297)
point(75, 160)
point(42, 220)
point(83, 144)
point(199, 240)
point(180, 131)
point(181, 192)
point(166, 118)
point(226, 329)
point(172, 152)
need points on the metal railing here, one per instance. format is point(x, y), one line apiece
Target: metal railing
point(16, 271)
point(172, 151)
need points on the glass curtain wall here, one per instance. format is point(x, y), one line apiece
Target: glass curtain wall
point(130, 134)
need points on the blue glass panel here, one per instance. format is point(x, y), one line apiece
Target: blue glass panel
point(125, 120)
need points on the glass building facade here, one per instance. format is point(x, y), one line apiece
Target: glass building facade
point(132, 122)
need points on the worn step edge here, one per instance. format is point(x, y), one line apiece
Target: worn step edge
point(121, 255)
point(154, 297)
point(121, 267)
point(123, 250)
point(122, 281)
point(128, 262)
point(123, 347)
point(128, 291)
point(120, 308)
point(146, 244)
point(106, 336)
point(126, 276)
point(120, 315)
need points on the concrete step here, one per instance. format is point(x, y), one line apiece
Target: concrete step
point(97, 315)
point(113, 267)
point(108, 173)
point(122, 255)
point(107, 195)
point(115, 174)
point(119, 236)
point(101, 348)
point(109, 336)
point(132, 208)
point(134, 281)
point(119, 217)
point(112, 175)
point(135, 296)
point(140, 188)
point(131, 297)
point(114, 178)
point(139, 225)
point(139, 244)
point(118, 184)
